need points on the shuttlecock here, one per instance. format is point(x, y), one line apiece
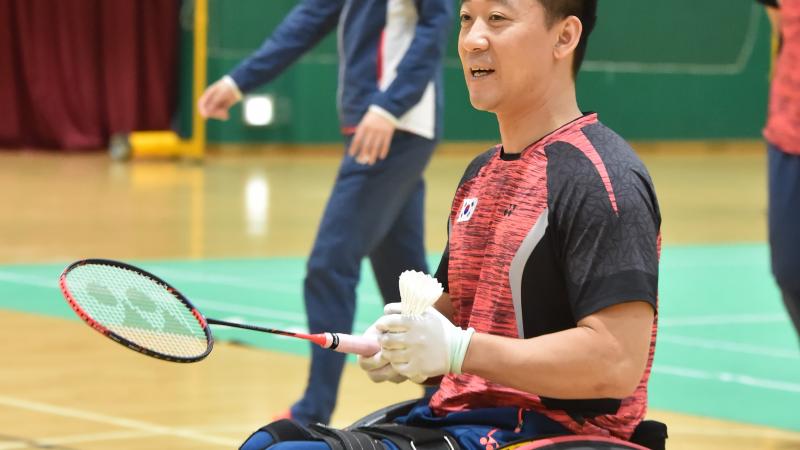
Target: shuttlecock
point(418, 291)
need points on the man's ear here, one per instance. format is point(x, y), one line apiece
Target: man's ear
point(569, 34)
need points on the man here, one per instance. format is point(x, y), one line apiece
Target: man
point(390, 105)
point(551, 269)
point(782, 133)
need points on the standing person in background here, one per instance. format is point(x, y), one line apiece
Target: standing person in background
point(390, 106)
point(782, 133)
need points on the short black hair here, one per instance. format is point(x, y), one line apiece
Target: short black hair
point(585, 10)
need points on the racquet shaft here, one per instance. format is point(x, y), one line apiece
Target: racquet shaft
point(340, 342)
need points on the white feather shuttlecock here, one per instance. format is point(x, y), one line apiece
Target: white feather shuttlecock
point(418, 291)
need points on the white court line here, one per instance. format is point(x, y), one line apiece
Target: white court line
point(116, 421)
point(728, 377)
point(733, 347)
point(268, 286)
point(293, 318)
point(226, 428)
point(296, 319)
point(735, 68)
point(223, 280)
point(75, 439)
point(231, 281)
point(28, 280)
point(118, 435)
point(723, 319)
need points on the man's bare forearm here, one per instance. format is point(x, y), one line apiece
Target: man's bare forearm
point(604, 357)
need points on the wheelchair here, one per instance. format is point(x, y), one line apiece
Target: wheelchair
point(649, 434)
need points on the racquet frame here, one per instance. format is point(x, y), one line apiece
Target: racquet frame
point(62, 282)
point(334, 341)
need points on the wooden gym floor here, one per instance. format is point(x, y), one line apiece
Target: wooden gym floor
point(64, 387)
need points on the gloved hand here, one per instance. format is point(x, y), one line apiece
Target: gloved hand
point(377, 367)
point(422, 347)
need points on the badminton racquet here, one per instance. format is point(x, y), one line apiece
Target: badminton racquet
point(144, 313)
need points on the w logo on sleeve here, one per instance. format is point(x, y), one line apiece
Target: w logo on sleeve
point(467, 208)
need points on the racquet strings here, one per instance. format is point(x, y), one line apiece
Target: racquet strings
point(138, 309)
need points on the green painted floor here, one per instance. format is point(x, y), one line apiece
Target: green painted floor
point(726, 348)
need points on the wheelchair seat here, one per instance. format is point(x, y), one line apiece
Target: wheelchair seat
point(648, 435)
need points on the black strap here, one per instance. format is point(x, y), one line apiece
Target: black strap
point(580, 410)
point(345, 440)
point(364, 438)
point(286, 430)
point(650, 434)
point(413, 438)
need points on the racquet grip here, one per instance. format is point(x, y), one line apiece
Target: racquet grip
point(347, 343)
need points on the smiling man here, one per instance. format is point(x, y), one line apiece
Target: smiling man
point(548, 321)
point(551, 268)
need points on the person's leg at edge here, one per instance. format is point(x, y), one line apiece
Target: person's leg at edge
point(403, 248)
point(784, 223)
point(363, 206)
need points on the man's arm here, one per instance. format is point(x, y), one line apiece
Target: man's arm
point(305, 25)
point(302, 28)
point(603, 357)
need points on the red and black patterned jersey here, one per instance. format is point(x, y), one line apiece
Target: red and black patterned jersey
point(783, 120)
point(538, 241)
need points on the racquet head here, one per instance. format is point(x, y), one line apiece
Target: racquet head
point(136, 309)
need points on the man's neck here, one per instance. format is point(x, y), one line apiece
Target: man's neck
point(520, 128)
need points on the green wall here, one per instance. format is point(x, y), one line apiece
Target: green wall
point(680, 69)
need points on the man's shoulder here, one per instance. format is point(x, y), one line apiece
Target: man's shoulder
point(597, 164)
point(605, 139)
point(597, 145)
point(477, 164)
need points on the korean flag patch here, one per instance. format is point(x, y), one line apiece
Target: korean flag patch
point(467, 208)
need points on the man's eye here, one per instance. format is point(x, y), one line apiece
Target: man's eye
point(496, 17)
point(465, 17)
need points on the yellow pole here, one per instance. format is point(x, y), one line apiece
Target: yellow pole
point(166, 143)
point(197, 144)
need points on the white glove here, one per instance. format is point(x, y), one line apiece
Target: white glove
point(377, 367)
point(422, 347)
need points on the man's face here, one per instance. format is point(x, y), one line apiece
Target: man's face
point(506, 52)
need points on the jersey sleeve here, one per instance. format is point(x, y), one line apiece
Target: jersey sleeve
point(606, 231)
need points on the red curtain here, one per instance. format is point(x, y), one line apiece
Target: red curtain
point(72, 72)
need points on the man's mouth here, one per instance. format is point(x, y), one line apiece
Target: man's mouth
point(479, 71)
